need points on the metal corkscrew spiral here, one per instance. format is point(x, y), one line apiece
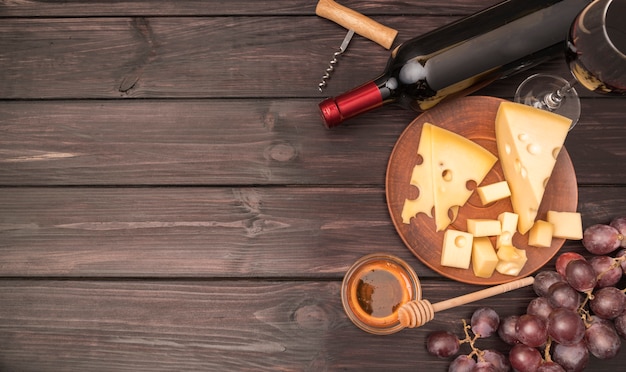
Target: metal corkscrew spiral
point(333, 62)
point(355, 23)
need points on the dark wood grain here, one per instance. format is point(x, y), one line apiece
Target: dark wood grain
point(77, 8)
point(160, 326)
point(142, 57)
point(193, 142)
point(214, 232)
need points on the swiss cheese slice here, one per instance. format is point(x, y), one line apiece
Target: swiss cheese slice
point(421, 178)
point(449, 162)
point(529, 141)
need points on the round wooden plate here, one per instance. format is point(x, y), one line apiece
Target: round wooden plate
point(474, 118)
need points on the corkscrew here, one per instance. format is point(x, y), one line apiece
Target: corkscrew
point(355, 23)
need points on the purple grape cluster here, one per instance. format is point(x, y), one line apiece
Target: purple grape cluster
point(579, 312)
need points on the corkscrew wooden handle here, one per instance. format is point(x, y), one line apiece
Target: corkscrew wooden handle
point(419, 312)
point(353, 20)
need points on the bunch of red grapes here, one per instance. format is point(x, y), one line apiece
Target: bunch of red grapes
point(579, 312)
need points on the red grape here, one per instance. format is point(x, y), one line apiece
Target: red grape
point(483, 366)
point(462, 363)
point(562, 294)
point(531, 330)
point(506, 330)
point(497, 359)
point(564, 259)
point(550, 367)
point(442, 344)
point(601, 239)
point(608, 302)
point(607, 274)
point(525, 358)
point(565, 326)
point(540, 307)
point(602, 339)
point(573, 358)
point(544, 280)
point(484, 322)
point(581, 275)
point(620, 325)
point(619, 223)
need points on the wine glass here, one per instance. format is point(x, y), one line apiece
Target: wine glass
point(596, 55)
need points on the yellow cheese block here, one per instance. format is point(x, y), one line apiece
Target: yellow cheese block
point(493, 192)
point(450, 161)
point(508, 222)
point(528, 141)
point(422, 179)
point(483, 227)
point(457, 249)
point(484, 258)
point(511, 260)
point(567, 225)
point(540, 235)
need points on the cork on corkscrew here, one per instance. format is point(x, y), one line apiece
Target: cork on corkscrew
point(355, 23)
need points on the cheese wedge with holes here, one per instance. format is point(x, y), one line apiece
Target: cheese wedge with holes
point(449, 162)
point(529, 141)
point(422, 179)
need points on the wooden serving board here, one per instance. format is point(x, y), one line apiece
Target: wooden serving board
point(474, 118)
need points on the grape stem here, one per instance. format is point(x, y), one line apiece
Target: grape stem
point(546, 351)
point(471, 340)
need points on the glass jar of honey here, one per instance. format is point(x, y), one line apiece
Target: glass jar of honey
point(373, 290)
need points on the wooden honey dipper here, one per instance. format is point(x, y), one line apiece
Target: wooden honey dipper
point(416, 313)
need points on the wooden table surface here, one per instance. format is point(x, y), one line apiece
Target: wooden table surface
point(169, 198)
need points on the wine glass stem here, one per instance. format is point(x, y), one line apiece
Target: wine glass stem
point(553, 100)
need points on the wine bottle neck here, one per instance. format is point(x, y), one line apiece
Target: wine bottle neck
point(336, 110)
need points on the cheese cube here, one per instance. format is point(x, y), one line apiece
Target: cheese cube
point(511, 260)
point(457, 249)
point(493, 192)
point(540, 235)
point(484, 258)
point(483, 227)
point(508, 221)
point(567, 225)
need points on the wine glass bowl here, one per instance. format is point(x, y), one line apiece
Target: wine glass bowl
point(596, 56)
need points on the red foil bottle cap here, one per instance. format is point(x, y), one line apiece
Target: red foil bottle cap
point(330, 113)
point(357, 101)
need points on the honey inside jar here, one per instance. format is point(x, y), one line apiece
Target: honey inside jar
point(374, 290)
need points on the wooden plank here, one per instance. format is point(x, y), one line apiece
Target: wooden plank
point(191, 142)
point(40, 8)
point(190, 57)
point(231, 325)
point(212, 232)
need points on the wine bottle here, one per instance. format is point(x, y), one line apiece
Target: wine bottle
point(462, 57)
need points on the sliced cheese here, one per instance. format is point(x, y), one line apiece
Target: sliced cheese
point(508, 222)
point(567, 225)
point(511, 260)
point(455, 161)
point(484, 258)
point(529, 141)
point(493, 192)
point(540, 235)
point(422, 178)
point(483, 227)
point(450, 161)
point(457, 249)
